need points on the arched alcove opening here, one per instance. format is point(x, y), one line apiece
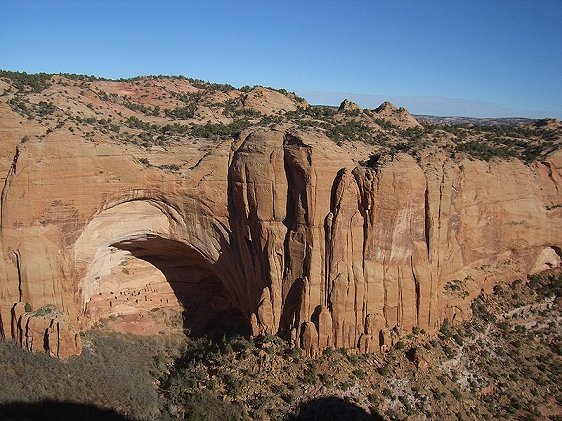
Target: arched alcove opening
point(140, 270)
point(207, 306)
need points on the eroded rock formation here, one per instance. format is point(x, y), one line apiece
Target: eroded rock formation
point(279, 232)
point(399, 117)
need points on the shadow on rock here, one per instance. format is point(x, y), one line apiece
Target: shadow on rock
point(332, 408)
point(54, 410)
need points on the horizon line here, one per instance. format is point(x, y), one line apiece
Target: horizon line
point(332, 103)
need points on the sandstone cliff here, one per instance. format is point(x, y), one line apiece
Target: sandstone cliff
point(277, 231)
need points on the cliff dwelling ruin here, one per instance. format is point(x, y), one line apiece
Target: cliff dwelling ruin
point(135, 266)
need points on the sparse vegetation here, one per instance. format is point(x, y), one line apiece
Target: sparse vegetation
point(23, 81)
point(181, 113)
point(475, 141)
point(114, 372)
point(495, 366)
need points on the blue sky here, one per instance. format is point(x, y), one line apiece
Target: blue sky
point(476, 58)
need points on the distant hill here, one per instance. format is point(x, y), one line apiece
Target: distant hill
point(458, 121)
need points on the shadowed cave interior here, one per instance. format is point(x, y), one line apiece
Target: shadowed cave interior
point(208, 309)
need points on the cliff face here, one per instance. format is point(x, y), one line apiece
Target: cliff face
point(345, 255)
point(278, 232)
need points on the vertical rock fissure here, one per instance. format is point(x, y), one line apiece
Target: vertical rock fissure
point(427, 215)
point(440, 204)
point(289, 218)
point(363, 209)
point(18, 268)
point(328, 258)
point(549, 172)
point(298, 209)
point(309, 211)
point(331, 223)
point(295, 243)
point(11, 173)
point(273, 186)
point(417, 288)
point(242, 253)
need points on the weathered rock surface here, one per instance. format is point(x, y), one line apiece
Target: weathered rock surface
point(399, 117)
point(275, 233)
point(270, 102)
point(347, 106)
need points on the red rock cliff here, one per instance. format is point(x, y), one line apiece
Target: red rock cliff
point(278, 231)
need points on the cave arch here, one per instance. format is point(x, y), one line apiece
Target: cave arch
point(135, 259)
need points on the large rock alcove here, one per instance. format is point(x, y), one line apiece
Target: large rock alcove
point(138, 266)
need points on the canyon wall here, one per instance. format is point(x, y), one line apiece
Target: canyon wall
point(276, 233)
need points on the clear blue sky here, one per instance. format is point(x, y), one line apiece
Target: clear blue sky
point(471, 57)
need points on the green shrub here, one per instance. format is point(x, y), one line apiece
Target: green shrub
point(383, 371)
point(310, 375)
point(445, 329)
point(46, 310)
point(181, 113)
point(22, 80)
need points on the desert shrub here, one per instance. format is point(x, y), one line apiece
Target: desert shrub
point(480, 311)
point(45, 310)
point(546, 285)
point(22, 80)
point(233, 384)
point(458, 339)
point(135, 123)
point(220, 130)
point(139, 107)
point(484, 151)
point(383, 371)
point(310, 375)
point(170, 167)
point(321, 111)
point(181, 113)
point(449, 353)
point(350, 130)
point(205, 406)
point(445, 330)
point(44, 108)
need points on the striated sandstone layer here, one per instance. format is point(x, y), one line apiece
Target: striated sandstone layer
point(278, 232)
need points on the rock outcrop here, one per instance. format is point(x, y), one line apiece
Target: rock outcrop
point(399, 117)
point(270, 102)
point(45, 331)
point(348, 106)
point(549, 123)
point(277, 232)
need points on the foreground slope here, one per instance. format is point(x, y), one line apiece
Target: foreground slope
point(505, 363)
